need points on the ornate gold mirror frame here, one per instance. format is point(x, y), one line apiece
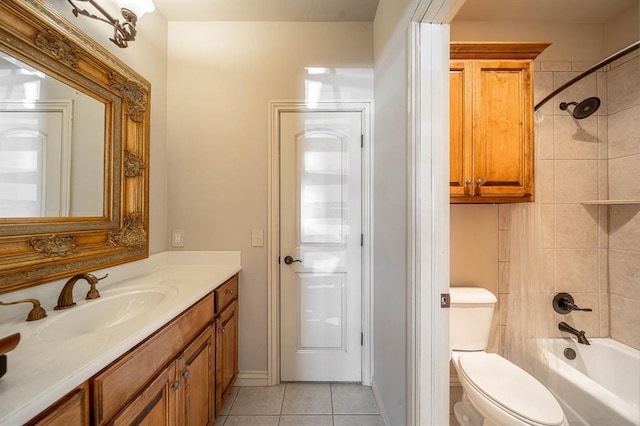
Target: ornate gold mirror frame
point(39, 250)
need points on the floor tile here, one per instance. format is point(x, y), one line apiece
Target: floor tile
point(307, 398)
point(258, 401)
point(229, 402)
point(352, 399)
point(306, 421)
point(252, 420)
point(357, 420)
point(220, 420)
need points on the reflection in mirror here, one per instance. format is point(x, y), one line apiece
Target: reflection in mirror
point(52, 151)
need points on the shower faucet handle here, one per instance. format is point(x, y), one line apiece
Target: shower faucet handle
point(563, 303)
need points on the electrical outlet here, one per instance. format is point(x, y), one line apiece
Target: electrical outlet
point(178, 238)
point(257, 238)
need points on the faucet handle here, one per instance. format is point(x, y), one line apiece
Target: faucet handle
point(563, 303)
point(36, 313)
point(93, 292)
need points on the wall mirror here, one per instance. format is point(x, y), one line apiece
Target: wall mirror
point(74, 136)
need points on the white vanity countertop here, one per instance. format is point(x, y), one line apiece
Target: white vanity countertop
point(40, 370)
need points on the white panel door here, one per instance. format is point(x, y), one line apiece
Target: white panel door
point(320, 252)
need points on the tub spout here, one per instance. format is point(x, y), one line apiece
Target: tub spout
point(563, 326)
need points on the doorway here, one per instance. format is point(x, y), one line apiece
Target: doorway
point(319, 243)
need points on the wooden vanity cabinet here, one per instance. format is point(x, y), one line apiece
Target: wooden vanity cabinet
point(226, 332)
point(491, 122)
point(167, 376)
point(72, 409)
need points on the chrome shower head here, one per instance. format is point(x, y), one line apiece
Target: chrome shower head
point(583, 109)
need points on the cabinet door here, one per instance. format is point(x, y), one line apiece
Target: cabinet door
point(502, 129)
point(460, 78)
point(73, 409)
point(194, 369)
point(155, 405)
point(226, 352)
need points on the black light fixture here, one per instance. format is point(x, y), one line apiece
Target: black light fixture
point(123, 32)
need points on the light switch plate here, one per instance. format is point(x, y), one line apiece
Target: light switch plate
point(257, 238)
point(177, 239)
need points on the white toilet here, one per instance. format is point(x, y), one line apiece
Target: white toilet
point(495, 391)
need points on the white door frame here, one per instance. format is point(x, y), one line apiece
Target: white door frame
point(428, 251)
point(273, 230)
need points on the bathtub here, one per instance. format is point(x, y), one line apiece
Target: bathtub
point(601, 386)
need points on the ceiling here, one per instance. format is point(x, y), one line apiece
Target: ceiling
point(268, 10)
point(567, 11)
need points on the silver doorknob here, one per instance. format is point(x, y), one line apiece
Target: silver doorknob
point(289, 260)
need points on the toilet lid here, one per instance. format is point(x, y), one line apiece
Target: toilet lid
point(511, 387)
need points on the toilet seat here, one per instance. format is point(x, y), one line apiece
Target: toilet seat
point(511, 388)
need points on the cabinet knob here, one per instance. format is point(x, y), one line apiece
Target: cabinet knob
point(175, 385)
point(230, 291)
point(185, 374)
point(222, 330)
point(469, 181)
point(479, 181)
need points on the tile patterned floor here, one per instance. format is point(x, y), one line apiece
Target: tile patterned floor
point(301, 404)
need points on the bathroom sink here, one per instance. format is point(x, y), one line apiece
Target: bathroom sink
point(103, 313)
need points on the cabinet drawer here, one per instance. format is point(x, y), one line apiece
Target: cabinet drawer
point(226, 293)
point(116, 385)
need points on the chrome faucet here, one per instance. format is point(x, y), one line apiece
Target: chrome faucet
point(563, 326)
point(65, 300)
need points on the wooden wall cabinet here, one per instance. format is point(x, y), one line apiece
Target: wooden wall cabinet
point(491, 116)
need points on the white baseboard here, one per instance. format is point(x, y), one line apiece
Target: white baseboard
point(252, 378)
point(376, 395)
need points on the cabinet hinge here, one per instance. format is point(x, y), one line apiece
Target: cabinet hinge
point(361, 240)
point(361, 141)
point(361, 339)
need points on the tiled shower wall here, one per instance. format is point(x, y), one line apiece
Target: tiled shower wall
point(623, 89)
point(593, 250)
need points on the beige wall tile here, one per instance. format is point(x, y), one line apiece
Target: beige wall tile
point(542, 85)
point(555, 66)
point(624, 178)
point(455, 395)
point(622, 86)
point(624, 227)
point(624, 278)
point(577, 270)
point(504, 216)
point(625, 320)
point(503, 277)
point(604, 315)
point(581, 65)
point(504, 307)
point(603, 270)
point(603, 137)
point(624, 132)
point(576, 180)
point(504, 245)
point(601, 78)
point(603, 179)
point(543, 133)
point(544, 181)
point(575, 139)
point(603, 227)
point(576, 226)
point(548, 219)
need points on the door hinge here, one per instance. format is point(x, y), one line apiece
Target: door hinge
point(445, 300)
point(361, 141)
point(361, 339)
point(361, 240)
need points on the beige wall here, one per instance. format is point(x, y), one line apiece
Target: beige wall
point(221, 78)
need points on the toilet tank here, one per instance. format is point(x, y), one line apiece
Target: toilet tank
point(470, 318)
